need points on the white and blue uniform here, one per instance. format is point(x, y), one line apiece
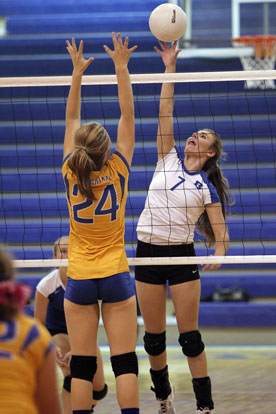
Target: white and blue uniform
point(53, 289)
point(175, 201)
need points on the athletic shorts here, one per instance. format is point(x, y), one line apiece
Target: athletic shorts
point(54, 332)
point(159, 275)
point(109, 289)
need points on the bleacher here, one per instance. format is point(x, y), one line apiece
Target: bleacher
point(33, 210)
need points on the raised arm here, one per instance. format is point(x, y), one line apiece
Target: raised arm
point(126, 127)
point(73, 107)
point(165, 136)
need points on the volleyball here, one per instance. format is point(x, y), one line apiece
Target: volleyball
point(168, 22)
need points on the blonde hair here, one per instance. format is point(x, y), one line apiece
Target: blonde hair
point(92, 145)
point(57, 244)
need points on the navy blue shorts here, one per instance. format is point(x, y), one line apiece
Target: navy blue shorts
point(109, 289)
point(160, 275)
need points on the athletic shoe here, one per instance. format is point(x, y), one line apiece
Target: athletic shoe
point(205, 410)
point(166, 406)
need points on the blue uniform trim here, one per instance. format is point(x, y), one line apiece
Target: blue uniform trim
point(66, 158)
point(109, 289)
point(55, 319)
point(123, 158)
point(66, 182)
point(122, 183)
point(6, 355)
point(32, 336)
point(49, 348)
point(213, 191)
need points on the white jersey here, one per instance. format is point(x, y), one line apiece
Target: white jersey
point(175, 201)
point(53, 289)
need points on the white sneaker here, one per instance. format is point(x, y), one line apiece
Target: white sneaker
point(166, 406)
point(205, 410)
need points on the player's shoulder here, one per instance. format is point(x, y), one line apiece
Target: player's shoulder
point(49, 283)
point(118, 160)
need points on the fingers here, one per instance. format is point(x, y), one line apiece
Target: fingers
point(108, 51)
point(133, 48)
point(119, 44)
point(115, 43)
point(87, 63)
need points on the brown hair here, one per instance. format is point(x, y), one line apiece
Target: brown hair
point(7, 311)
point(92, 144)
point(215, 175)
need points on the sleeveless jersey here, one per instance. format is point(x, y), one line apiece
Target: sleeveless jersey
point(24, 344)
point(97, 228)
point(175, 201)
point(53, 289)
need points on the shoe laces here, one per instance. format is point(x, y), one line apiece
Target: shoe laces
point(165, 405)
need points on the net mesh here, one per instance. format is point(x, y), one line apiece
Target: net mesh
point(33, 209)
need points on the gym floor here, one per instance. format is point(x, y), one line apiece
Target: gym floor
point(243, 379)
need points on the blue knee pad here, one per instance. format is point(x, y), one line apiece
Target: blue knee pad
point(155, 344)
point(191, 343)
point(83, 367)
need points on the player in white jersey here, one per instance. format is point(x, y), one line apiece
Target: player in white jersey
point(49, 310)
point(185, 192)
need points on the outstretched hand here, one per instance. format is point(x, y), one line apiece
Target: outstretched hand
point(121, 54)
point(79, 62)
point(169, 53)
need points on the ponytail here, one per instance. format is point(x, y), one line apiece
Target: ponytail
point(92, 146)
point(215, 175)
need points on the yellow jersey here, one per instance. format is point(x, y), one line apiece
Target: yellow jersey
point(24, 344)
point(97, 228)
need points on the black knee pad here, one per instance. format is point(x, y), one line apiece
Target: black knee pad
point(67, 383)
point(155, 344)
point(99, 395)
point(83, 367)
point(124, 364)
point(191, 343)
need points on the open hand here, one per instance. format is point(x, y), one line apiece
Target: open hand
point(169, 53)
point(79, 62)
point(121, 54)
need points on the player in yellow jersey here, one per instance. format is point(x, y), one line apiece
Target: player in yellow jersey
point(96, 189)
point(28, 382)
point(49, 310)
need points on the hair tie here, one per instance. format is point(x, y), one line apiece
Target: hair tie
point(78, 147)
point(14, 292)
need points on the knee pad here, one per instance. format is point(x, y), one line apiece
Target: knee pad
point(83, 367)
point(67, 383)
point(99, 395)
point(155, 344)
point(191, 343)
point(124, 364)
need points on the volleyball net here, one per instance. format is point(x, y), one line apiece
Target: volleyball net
point(33, 208)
